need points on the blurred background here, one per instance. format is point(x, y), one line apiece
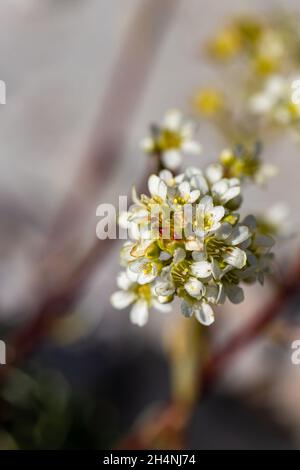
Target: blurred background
point(84, 80)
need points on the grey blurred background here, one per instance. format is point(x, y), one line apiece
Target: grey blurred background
point(60, 60)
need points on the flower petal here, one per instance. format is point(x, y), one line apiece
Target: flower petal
point(217, 213)
point(205, 314)
point(201, 269)
point(198, 181)
point(172, 120)
point(179, 255)
point(220, 187)
point(187, 130)
point(147, 144)
point(184, 189)
point(123, 281)
point(206, 204)
point(139, 313)
point(147, 276)
point(194, 287)
point(139, 248)
point(131, 275)
point(164, 289)
point(238, 235)
point(194, 195)
point(164, 308)
point(236, 257)
point(193, 245)
point(121, 299)
point(214, 172)
point(192, 171)
point(171, 159)
point(138, 265)
point(164, 256)
point(157, 187)
point(166, 176)
point(231, 193)
point(191, 147)
point(199, 256)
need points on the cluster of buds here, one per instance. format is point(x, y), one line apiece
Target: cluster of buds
point(188, 241)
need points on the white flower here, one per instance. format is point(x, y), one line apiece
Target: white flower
point(198, 181)
point(276, 101)
point(193, 244)
point(205, 314)
point(226, 189)
point(145, 270)
point(214, 172)
point(231, 237)
point(278, 219)
point(236, 258)
point(139, 248)
point(201, 269)
point(202, 311)
point(265, 172)
point(194, 287)
point(139, 313)
point(121, 299)
point(208, 216)
point(167, 177)
point(164, 285)
point(186, 242)
point(127, 296)
point(186, 195)
point(172, 140)
point(274, 90)
point(157, 188)
point(140, 297)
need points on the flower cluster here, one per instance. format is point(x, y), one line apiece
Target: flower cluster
point(267, 45)
point(265, 94)
point(278, 102)
point(188, 241)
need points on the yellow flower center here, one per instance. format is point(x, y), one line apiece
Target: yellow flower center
point(208, 222)
point(147, 269)
point(208, 102)
point(227, 44)
point(180, 200)
point(144, 292)
point(169, 140)
point(180, 273)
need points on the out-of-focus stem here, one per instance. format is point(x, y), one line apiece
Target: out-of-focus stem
point(210, 372)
